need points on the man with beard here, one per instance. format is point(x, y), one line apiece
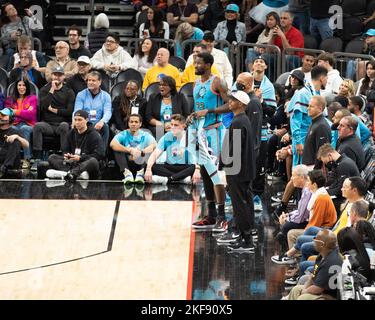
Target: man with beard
point(76, 49)
point(209, 93)
point(82, 151)
point(11, 142)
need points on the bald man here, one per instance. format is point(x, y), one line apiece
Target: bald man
point(319, 131)
point(62, 59)
point(160, 69)
point(322, 284)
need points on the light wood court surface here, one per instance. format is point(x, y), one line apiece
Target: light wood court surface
point(70, 249)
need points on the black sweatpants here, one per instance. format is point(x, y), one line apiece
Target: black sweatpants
point(124, 163)
point(10, 155)
point(259, 181)
point(90, 165)
point(242, 203)
point(175, 172)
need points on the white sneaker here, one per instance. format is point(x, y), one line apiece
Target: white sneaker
point(56, 174)
point(139, 177)
point(54, 183)
point(187, 180)
point(128, 177)
point(159, 180)
point(84, 176)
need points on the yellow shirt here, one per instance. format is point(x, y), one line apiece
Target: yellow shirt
point(153, 73)
point(189, 74)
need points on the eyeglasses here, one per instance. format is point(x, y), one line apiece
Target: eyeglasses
point(110, 41)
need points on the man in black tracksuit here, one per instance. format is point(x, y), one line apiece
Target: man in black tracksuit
point(319, 131)
point(348, 143)
point(82, 150)
point(339, 168)
point(239, 167)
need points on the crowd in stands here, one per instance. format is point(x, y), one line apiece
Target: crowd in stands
point(314, 129)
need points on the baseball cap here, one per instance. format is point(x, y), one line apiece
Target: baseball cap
point(241, 96)
point(81, 113)
point(370, 32)
point(261, 58)
point(7, 112)
point(84, 59)
point(232, 7)
point(299, 75)
point(58, 69)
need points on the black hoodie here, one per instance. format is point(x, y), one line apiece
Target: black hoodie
point(90, 142)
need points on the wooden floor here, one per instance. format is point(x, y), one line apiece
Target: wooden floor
point(69, 249)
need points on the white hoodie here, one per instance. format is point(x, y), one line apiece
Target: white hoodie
point(333, 83)
point(120, 57)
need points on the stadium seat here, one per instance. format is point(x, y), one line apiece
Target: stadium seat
point(4, 78)
point(282, 78)
point(310, 42)
point(129, 74)
point(117, 89)
point(178, 62)
point(331, 45)
point(33, 89)
point(3, 90)
point(152, 88)
point(3, 61)
point(354, 46)
point(187, 91)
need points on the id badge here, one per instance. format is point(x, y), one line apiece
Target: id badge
point(135, 110)
point(92, 115)
point(77, 151)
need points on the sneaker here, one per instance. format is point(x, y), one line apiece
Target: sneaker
point(128, 178)
point(241, 246)
point(283, 260)
point(139, 178)
point(56, 174)
point(128, 190)
point(205, 223)
point(70, 177)
point(84, 184)
point(55, 183)
point(25, 164)
point(277, 198)
point(292, 280)
point(34, 167)
point(159, 180)
point(228, 238)
point(220, 226)
point(187, 180)
point(254, 234)
point(257, 203)
point(156, 188)
point(84, 176)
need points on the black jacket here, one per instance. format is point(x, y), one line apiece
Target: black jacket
point(179, 106)
point(90, 142)
point(352, 147)
point(318, 134)
point(247, 158)
point(255, 113)
point(81, 51)
point(117, 118)
point(62, 100)
point(96, 39)
point(343, 168)
point(16, 74)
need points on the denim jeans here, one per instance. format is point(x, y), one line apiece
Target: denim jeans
point(306, 265)
point(301, 240)
point(320, 29)
point(25, 131)
point(307, 250)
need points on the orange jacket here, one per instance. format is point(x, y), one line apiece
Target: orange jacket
point(324, 212)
